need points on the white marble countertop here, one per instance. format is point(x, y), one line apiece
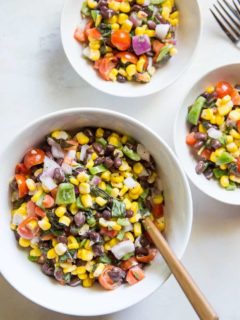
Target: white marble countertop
point(36, 78)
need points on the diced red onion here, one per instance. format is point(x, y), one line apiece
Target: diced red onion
point(134, 19)
point(67, 169)
point(122, 248)
point(83, 152)
point(49, 166)
point(130, 182)
point(56, 149)
point(71, 155)
point(96, 180)
point(143, 153)
point(162, 30)
point(47, 182)
point(214, 133)
point(141, 44)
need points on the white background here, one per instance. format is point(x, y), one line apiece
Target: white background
point(35, 78)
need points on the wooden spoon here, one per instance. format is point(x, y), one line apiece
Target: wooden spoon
point(189, 287)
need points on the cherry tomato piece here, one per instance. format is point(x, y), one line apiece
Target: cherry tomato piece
point(206, 153)
point(131, 262)
point(28, 228)
point(134, 275)
point(105, 65)
point(146, 259)
point(235, 97)
point(33, 157)
point(127, 57)
point(80, 35)
point(157, 210)
point(121, 39)
point(190, 139)
point(21, 168)
point(93, 34)
point(48, 201)
point(109, 233)
point(223, 88)
point(104, 279)
point(22, 186)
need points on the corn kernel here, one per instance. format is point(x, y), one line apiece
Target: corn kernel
point(115, 177)
point(207, 114)
point(90, 164)
point(134, 206)
point(229, 139)
point(224, 181)
point(234, 134)
point(123, 73)
point(158, 199)
point(91, 4)
point(131, 70)
point(107, 247)
point(86, 200)
point(83, 276)
point(102, 185)
point(54, 242)
point(31, 185)
point(87, 283)
point(113, 74)
point(60, 249)
point(114, 5)
point(84, 188)
point(65, 220)
point(51, 254)
point(137, 189)
point(127, 203)
point(123, 191)
point(139, 31)
point(219, 119)
point(94, 44)
point(74, 181)
point(73, 208)
point(234, 178)
point(141, 2)
point(25, 243)
point(124, 166)
point(124, 7)
point(100, 201)
point(165, 13)
point(94, 55)
point(219, 151)
point(82, 138)
point(106, 176)
point(135, 218)
point(81, 270)
point(37, 196)
point(150, 33)
point(38, 172)
point(223, 166)
point(87, 244)
point(115, 192)
point(127, 26)
point(113, 141)
point(85, 255)
point(201, 128)
point(44, 224)
point(122, 17)
point(99, 133)
point(98, 271)
point(113, 242)
point(72, 243)
point(129, 236)
point(137, 229)
point(116, 227)
point(94, 156)
point(232, 147)
point(173, 51)
point(115, 26)
point(60, 211)
point(83, 177)
point(69, 268)
point(36, 252)
point(138, 168)
point(160, 223)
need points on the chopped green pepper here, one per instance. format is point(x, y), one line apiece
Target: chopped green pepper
point(195, 111)
point(97, 169)
point(218, 173)
point(79, 204)
point(65, 194)
point(232, 186)
point(102, 141)
point(163, 52)
point(224, 158)
point(131, 154)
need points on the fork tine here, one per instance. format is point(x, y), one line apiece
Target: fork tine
point(226, 31)
point(230, 7)
point(232, 28)
point(237, 8)
point(234, 22)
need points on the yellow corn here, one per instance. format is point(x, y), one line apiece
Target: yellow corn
point(73, 208)
point(91, 4)
point(38, 172)
point(141, 2)
point(35, 252)
point(201, 128)
point(115, 26)
point(139, 31)
point(124, 7)
point(224, 181)
point(113, 140)
point(113, 242)
point(82, 276)
point(150, 33)
point(137, 189)
point(113, 20)
point(209, 89)
point(98, 271)
point(213, 157)
point(127, 203)
point(84, 188)
point(106, 176)
point(219, 151)
point(232, 147)
point(60, 249)
point(158, 199)
point(54, 242)
point(85, 255)
point(99, 133)
point(60, 211)
point(160, 223)
point(24, 242)
point(69, 268)
point(115, 192)
point(107, 247)
point(219, 119)
point(44, 224)
point(223, 166)
point(135, 218)
point(94, 44)
point(127, 26)
point(129, 236)
point(37, 196)
point(173, 51)
point(124, 166)
point(115, 177)
point(74, 181)
point(83, 177)
point(122, 17)
point(31, 185)
point(165, 13)
point(137, 229)
point(124, 138)
point(229, 139)
point(138, 168)
point(87, 245)
point(102, 185)
point(72, 243)
point(131, 70)
point(86, 200)
point(134, 206)
point(65, 220)
point(51, 254)
point(100, 201)
point(123, 73)
point(234, 178)
point(234, 134)
point(82, 138)
point(87, 283)
point(116, 227)
point(90, 164)
point(113, 74)
point(81, 270)
point(207, 114)
point(123, 191)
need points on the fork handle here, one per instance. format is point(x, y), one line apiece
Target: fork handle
point(189, 287)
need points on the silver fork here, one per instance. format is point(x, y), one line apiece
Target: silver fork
point(228, 18)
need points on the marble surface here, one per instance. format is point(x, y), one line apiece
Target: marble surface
point(36, 78)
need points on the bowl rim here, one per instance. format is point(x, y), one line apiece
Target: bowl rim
point(121, 93)
point(189, 204)
point(175, 131)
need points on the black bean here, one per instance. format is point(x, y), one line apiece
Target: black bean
point(60, 161)
point(151, 25)
point(136, 8)
point(208, 173)
point(98, 250)
point(107, 133)
point(108, 162)
point(97, 148)
point(58, 274)
point(117, 162)
point(75, 281)
point(107, 13)
point(79, 218)
point(215, 144)
point(94, 236)
point(200, 167)
point(58, 175)
point(49, 155)
point(141, 251)
point(99, 160)
point(80, 263)
point(76, 171)
point(116, 274)
point(48, 269)
point(200, 136)
point(109, 150)
point(42, 259)
point(98, 215)
point(106, 214)
point(14, 185)
point(76, 189)
point(16, 235)
point(62, 239)
point(129, 213)
point(144, 241)
point(198, 144)
point(121, 78)
point(73, 229)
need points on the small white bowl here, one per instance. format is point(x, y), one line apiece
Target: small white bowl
point(27, 278)
point(187, 39)
point(230, 73)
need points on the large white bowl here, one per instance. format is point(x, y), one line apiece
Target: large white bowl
point(187, 39)
point(230, 73)
point(27, 278)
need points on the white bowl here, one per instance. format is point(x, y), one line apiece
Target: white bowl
point(230, 73)
point(187, 39)
point(27, 278)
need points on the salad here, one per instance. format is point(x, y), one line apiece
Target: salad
point(127, 40)
point(214, 135)
point(78, 201)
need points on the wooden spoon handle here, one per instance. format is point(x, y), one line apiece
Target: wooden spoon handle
point(189, 287)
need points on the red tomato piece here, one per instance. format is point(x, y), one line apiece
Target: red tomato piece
point(105, 280)
point(223, 88)
point(48, 201)
point(105, 65)
point(54, 193)
point(28, 228)
point(22, 186)
point(156, 46)
point(89, 25)
point(127, 57)
point(31, 208)
point(157, 210)
point(109, 233)
point(131, 262)
point(121, 39)
point(33, 157)
point(93, 34)
point(238, 164)
point(80, 35)
point(190, 139)
point(39, 212)
point(206, 153)
point(238, 126)
point(134, 275)
point(235, 97)
point(21, 168)
point(146, 259)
